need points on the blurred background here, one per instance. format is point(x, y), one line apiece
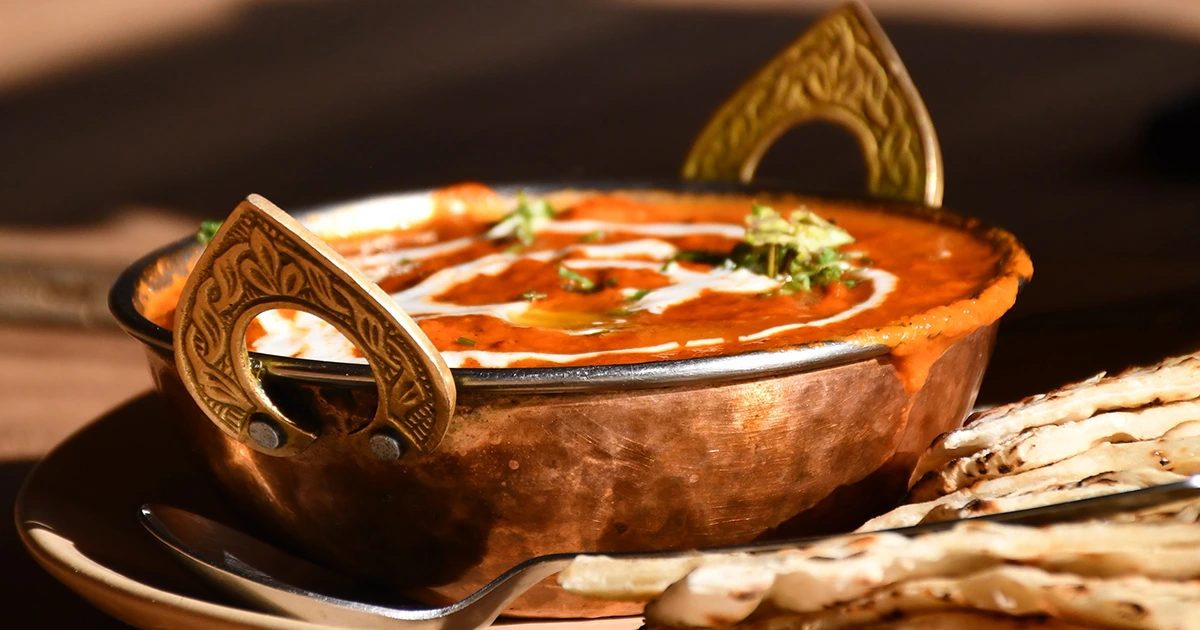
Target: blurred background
point(1072, 123)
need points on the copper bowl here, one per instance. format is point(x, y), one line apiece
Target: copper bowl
point(662, 455)
point(671, 454)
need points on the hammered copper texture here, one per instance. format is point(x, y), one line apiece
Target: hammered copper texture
point(939, 406)
point(653, 469)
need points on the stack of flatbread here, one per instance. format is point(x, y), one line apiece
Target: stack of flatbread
point(1100, 436)
point(1103, 435)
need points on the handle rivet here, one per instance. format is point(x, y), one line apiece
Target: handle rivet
point(386, 446)
point(266, 432)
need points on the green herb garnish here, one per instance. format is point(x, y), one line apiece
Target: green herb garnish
point(208, 230)
point(801, 237)
point(530, 296)
point(592, 237)
point(578, 282)
point(826, 268)
point(524, 221)
point(708, 258)
point(800, 250)
point(716, 259)
point(463, 341)
point(637, 295)
point(610, 281)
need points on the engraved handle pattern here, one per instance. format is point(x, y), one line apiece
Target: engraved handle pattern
point(842, 69)
point(263, 259)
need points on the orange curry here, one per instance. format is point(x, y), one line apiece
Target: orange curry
point(627, 277)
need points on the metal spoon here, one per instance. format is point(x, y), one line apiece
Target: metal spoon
point(265, 576)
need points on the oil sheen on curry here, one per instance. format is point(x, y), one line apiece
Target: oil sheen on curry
point(588, 278)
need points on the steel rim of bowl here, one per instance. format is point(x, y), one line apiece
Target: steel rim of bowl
point(646, 375)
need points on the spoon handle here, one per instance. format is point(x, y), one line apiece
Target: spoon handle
point(272, 579)
point(260, 574)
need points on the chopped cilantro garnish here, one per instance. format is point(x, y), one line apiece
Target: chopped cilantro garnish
point(802, 237)
point(800, 250)
point(578, 282)
point(610, 281)
point(821, 270)
point(514, 249)
point(208, 229)
point(463, 341)
point(592, 237)
point(715, 259)
point(708, 258)
point(524, 221)
point(637, 295)
point(530, 296)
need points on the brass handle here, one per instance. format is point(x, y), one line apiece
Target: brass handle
point(842, 69)
point(263, 259)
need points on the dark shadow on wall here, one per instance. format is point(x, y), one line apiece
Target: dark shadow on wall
point(308, 101)
point(1069, 139)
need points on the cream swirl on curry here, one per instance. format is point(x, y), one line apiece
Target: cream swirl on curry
point(584, 278)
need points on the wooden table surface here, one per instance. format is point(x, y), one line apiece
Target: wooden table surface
point(1071, 123)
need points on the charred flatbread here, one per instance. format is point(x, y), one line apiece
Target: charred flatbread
point(1048, 444)
point(719, 589)
point(1181, 456)
point(1172, 380)
point(1016, 591)
point(950, 620)
point(1095, 486)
